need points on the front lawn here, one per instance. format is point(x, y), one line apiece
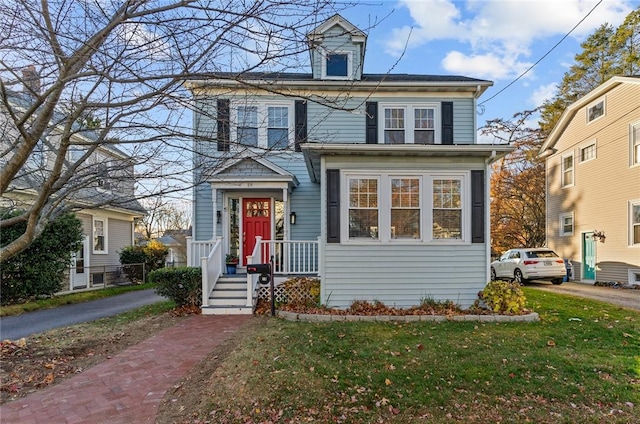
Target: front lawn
point(580, 363)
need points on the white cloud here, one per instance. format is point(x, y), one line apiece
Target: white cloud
point(499, 33)
point(543, 93)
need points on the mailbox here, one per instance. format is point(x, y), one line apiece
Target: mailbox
point(258, 269)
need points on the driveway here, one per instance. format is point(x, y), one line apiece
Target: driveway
point(24, 325)
point(626, 298)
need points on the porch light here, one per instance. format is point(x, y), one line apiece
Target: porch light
point(218, 217)
point(292, 218)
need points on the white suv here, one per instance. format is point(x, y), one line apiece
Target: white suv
point(529, 264)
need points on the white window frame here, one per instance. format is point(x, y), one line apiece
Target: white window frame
point(263, 107)
point(409, 121)
point(634, 145)
point(105, 235)
point(563, 216)
point(632, 224)
point(426, 206)
point(563, 170)
point(349, 75)
point(583, 147)
point(594, 104)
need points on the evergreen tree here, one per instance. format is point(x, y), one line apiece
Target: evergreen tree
point(605, 53)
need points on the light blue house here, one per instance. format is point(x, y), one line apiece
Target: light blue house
point(373, 182)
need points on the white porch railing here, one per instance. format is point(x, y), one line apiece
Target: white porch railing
point(198, 249)
point(290, 257)
point(211, 267)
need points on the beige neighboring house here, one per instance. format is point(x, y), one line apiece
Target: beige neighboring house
point(593, 183)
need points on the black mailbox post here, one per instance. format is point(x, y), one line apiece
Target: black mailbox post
point(266, 277)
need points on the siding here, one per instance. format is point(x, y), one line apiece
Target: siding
point(335, 39)
point(602, 187)
point(403, 274)
point(329, 125)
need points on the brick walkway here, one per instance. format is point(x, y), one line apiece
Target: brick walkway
point(127, 388)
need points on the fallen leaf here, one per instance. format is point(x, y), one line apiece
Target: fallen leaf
point(388, 382)
point(551, 343)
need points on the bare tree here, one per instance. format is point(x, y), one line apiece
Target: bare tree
point(116, 69)
point(162, 216)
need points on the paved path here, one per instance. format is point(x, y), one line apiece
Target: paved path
point(626, 298)
point(128, 388)
point(24, 325)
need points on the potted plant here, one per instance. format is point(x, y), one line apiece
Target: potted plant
point(232, 262)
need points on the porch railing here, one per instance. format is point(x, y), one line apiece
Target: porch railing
point(291, 256)
point(198, 249)
point(211, 267)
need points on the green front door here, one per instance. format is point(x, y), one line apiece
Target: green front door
point(588, 257)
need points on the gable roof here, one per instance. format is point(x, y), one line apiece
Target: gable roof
point(571, 110)
point(247, 168)
point(318, 32)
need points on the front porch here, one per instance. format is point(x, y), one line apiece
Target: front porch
point(226, 294)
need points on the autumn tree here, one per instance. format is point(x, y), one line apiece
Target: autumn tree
point(517, 185)
point(607, 52)
point(117, 70)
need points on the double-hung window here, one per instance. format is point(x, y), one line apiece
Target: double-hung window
point(363, 208)
point(447, 208)
point(268, 125)
point(409, 124)
point(588, 152)
point(567, 170)
point(566, 224)
point(416, 207)
point(247, 128)
point(100, 235)
point(634, 222)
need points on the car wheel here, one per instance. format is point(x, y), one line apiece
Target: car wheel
point(557, 281)
point(517, 277)
point(493, 274)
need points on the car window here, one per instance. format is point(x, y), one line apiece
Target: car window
point(505, 256)
point(514, 255)
point(542, 254)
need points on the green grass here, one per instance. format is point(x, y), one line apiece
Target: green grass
point(68, 299)
point(580, 363)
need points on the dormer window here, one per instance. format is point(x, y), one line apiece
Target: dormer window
point(337, 65)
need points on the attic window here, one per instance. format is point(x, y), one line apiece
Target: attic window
point(337, 64)
point(595, 111)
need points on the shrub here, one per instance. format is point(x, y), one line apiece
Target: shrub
point(503, 297)
point(152, 256)
point(183, 284)
point(39, 270)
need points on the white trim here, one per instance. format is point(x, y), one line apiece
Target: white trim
point(105, 235)
point(632, 273)
point(561, 231)
point(426, 206)
point(323, 65)
point(409, 123)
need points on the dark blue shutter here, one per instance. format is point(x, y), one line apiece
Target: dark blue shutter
point(223, 124)
point(447, 122)
point(301, 124)
point(333, 206)
point(372, 122)
point(477, 207)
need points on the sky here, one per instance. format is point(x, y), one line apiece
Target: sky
point(496, 40)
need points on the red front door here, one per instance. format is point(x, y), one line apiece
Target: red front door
point(256, 221)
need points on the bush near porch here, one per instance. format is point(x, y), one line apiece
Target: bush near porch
point(183, 285)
